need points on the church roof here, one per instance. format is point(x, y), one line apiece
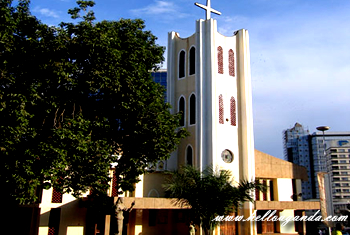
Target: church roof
point(267, 166)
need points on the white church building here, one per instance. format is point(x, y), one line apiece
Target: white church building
point(209, 81)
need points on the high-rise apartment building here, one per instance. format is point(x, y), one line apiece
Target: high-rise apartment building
point(296, 150)
point(338, 167)
point(321, 152)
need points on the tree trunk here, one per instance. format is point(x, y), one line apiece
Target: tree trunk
point(207, 231)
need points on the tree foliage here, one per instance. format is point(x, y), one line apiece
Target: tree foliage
point(209, 193)
point(76, 98)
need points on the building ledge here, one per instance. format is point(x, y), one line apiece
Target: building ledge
point(152, 203)
point(172, 203)
point(277, 233)
point(287, 205)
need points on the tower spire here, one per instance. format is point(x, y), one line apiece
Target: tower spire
point(208, 9)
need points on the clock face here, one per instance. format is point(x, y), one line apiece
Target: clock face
point(227, 156)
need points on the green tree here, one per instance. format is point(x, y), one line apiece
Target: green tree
point(209, 193)
point(76, 98)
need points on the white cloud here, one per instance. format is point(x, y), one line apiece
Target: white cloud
point(160, 8)
point(300, 73)
point(46, 12)
point(227, 23)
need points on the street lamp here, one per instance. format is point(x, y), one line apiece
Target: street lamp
point(327, 196)
point(323, 129)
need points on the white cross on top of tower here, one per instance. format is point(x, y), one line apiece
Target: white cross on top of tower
point(208, 9)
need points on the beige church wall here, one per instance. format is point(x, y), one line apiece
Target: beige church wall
point(185, 87)
point(44, 220)
point(47, 196)
point(171, 163)
point(285, 190)
point(161, 222)
point(139, 187)
point(183, 44)
point(72, 219)
point(190, 140)
point(152, 185)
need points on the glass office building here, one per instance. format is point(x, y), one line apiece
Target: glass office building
point(160, 77)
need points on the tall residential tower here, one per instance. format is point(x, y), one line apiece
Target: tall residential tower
point(321, 152)
point(296, 150)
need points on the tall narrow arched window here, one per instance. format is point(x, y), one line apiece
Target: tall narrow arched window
point(231, 63)
point(189, 156)
point(56, 196)
point(192, 109)
point(221, 110)
point(233, 111)
point(182, 57)
point(192, 60)
point(182, 110)
point(220, 60)
point(114, 185)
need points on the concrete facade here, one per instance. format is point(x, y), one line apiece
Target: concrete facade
point(284, 180)
point(154, 214)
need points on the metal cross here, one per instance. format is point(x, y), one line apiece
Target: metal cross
point(208, 9)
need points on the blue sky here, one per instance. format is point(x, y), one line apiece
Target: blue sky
point(300, 53)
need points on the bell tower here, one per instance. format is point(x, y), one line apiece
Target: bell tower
point(209, 83)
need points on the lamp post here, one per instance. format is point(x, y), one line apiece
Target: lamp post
point(327, 197)
point(323, 129)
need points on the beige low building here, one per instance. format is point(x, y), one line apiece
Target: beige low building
point(153, 214)
point(284, 193)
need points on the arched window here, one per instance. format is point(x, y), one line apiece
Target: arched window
point(192, 60)
point(182, 110)
point(114, 185)
point(221, 110)
point(192, 109)
point(182, 64)
point(189, 156)
point(220, 60)
point(231, 63)
point(233, 111)
point(153, 193)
